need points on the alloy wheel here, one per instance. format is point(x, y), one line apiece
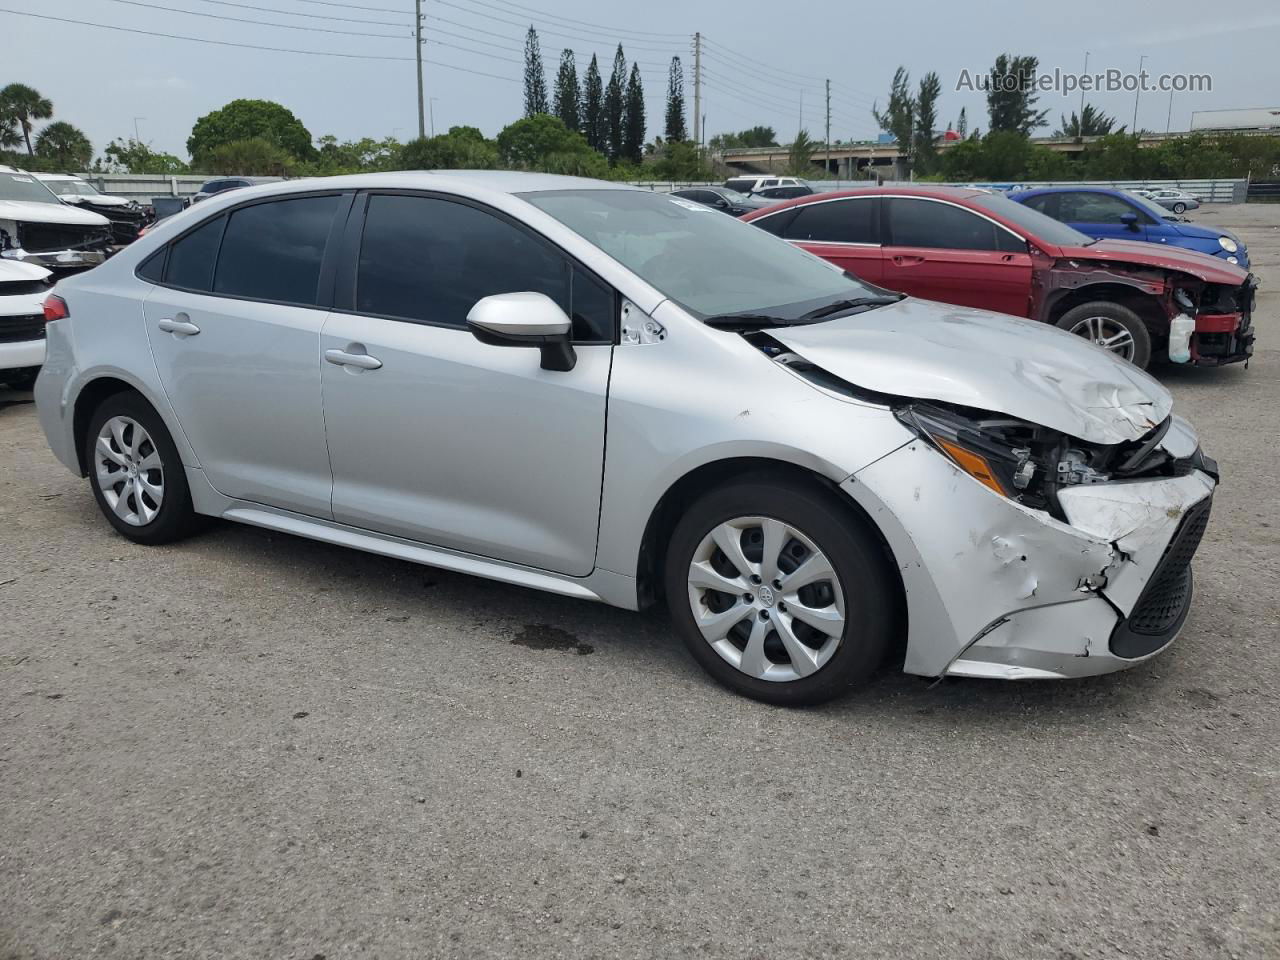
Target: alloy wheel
point(129, 471)
point(1108, 333)
point(766, 599)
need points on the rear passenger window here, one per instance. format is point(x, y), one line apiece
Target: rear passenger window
point(272, 251)
point(776, 223)
point(836, 221)
point(191, 257)
point(927, 223)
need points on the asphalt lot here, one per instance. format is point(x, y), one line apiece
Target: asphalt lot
point(250, 745)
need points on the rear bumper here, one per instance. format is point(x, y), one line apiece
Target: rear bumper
point(25, 353)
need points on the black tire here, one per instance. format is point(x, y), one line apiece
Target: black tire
point(1118, 314)
point(1179, 208)
point(839, 533)
point(175, 519)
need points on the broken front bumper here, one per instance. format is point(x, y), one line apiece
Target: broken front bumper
point(995, 589)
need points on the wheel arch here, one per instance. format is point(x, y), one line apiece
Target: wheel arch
point(707, 476)
point(108, 383)
point(1149, 308)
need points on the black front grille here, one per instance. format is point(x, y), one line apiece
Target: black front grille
point(46, 237)
point(18, 329)
point(1163, 605)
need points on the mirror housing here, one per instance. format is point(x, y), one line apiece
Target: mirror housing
point(1130, 220)
point(525, 319)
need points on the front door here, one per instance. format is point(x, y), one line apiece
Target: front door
point(440, 438)
point(1103, 216)
point(939, 251)
point(234, 327)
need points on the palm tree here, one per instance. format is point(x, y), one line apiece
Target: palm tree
point(1091, 122)
point(21, 104)
point(65, 145)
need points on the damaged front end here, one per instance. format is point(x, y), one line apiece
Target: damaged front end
point(63, 248)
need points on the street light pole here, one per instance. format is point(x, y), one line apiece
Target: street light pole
point(431, 113)
point(417, 49)
point(1137, 93)
point(1080, 119)
point(136, 135)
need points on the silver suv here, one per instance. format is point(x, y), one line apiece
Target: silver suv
point(623, 396)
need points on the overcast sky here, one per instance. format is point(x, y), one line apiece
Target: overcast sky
point(760, 61)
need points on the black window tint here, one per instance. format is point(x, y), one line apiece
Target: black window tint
point(152, 268)
point(927, 223)
point(1006, 242)
point(272, 251)
point(835, 221)
point(191, 257)
point(776, 223)
point(1043, 203)
point(430, 260)
point(594, 308)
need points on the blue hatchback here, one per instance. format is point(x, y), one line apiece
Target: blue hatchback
point(1117, 215)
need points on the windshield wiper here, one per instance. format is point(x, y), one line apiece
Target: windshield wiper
point(744, 321)
point(840, 306)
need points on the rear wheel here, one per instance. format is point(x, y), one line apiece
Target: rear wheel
point(779, 591)
point(136, 473)
point(1111, 326)
point(1179, 208)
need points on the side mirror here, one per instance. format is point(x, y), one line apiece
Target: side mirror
point(525, 320)
point(1130, 220)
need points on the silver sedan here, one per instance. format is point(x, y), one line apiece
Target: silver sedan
point(1176, 200)
point(625, 397)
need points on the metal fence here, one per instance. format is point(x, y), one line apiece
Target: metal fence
point(143, 186)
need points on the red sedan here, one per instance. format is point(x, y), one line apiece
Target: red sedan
point(980, 249)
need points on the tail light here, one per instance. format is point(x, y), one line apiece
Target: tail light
point(55, 308)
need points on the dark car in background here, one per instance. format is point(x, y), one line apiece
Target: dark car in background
point(722, 198)
point(1118, 215)
point(976, 248)
point(790, 192)
point(222, 184)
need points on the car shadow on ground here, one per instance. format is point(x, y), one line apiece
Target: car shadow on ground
point(14, 398)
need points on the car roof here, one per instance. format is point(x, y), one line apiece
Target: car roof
point(499, 181)
point(56, 176)
point(1114, 191)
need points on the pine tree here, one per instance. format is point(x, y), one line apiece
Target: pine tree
point(675, 128)
point(594, 127)
point(925, 120)
point(1011, 95)
point(633, 118)
point(613, 104)
point(568, 105)
point(962, 124)
point(535, 81)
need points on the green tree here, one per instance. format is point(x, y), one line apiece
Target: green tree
point(633, 123)
point(675, 129)
point(254, 157)
point(898, 118)
point(354, 156)
point(248, 120)
point(64, 147)
point(595, 127)
point(20, 106)
point(134, 156)
point(1011, 95)
point(680, 161)
point(926, 119)
point(800, 154)
point(962, 124)
point(529, 142)
point(614, 102)
point(535, 78)
point(568, 101)
point(462, 148)
point(1091, 122)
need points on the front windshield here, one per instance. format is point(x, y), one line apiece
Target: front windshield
point(24, 187)
point(733, 196)
point(1034, 222)
point(708, 263)
point(70, 188)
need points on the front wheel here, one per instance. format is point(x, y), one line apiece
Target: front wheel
point(1179, 208)
point(1113, 327)
point(779, 591)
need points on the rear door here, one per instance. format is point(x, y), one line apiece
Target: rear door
point(941, 251)
point(845, 231)
point(234, 327)
point(447, 440)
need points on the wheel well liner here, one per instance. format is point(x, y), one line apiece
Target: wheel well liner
point(90, 397)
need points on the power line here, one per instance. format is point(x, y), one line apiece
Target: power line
point(352, 6)
point(572, 21)
point(519, 48)
point(755, 66)
point(314, 16)
point(554, 33)
point(254, 46)
point(260, 23)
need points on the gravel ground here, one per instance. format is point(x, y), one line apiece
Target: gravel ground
point(250, 745)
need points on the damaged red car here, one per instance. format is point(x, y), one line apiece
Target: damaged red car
point(976, 248)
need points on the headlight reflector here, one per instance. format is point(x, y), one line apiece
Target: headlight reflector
point(1227, 244)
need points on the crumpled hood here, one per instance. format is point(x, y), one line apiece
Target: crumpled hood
point(1203, 266)
point(62, 213)
point(1023, 368)
point(100, 200)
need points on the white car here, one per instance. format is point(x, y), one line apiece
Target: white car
point(23, 287)
point(750, 184)
point(619, 395)
point(127, 217)
point(36, 226)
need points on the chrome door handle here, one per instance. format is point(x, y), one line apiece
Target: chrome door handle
point(180, 328)
point(344, 359)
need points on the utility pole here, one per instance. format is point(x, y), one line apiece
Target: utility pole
point(136, 135)
point(697, 89)
point(1136, 94)
point(431, 110)
point(1169, 120)
point(422, 119)
point(1080, 118)
point(826, 163)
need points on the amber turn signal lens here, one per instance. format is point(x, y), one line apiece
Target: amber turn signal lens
point(972, 464)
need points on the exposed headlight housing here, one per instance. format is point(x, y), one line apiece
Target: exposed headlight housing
point(1227, 244)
